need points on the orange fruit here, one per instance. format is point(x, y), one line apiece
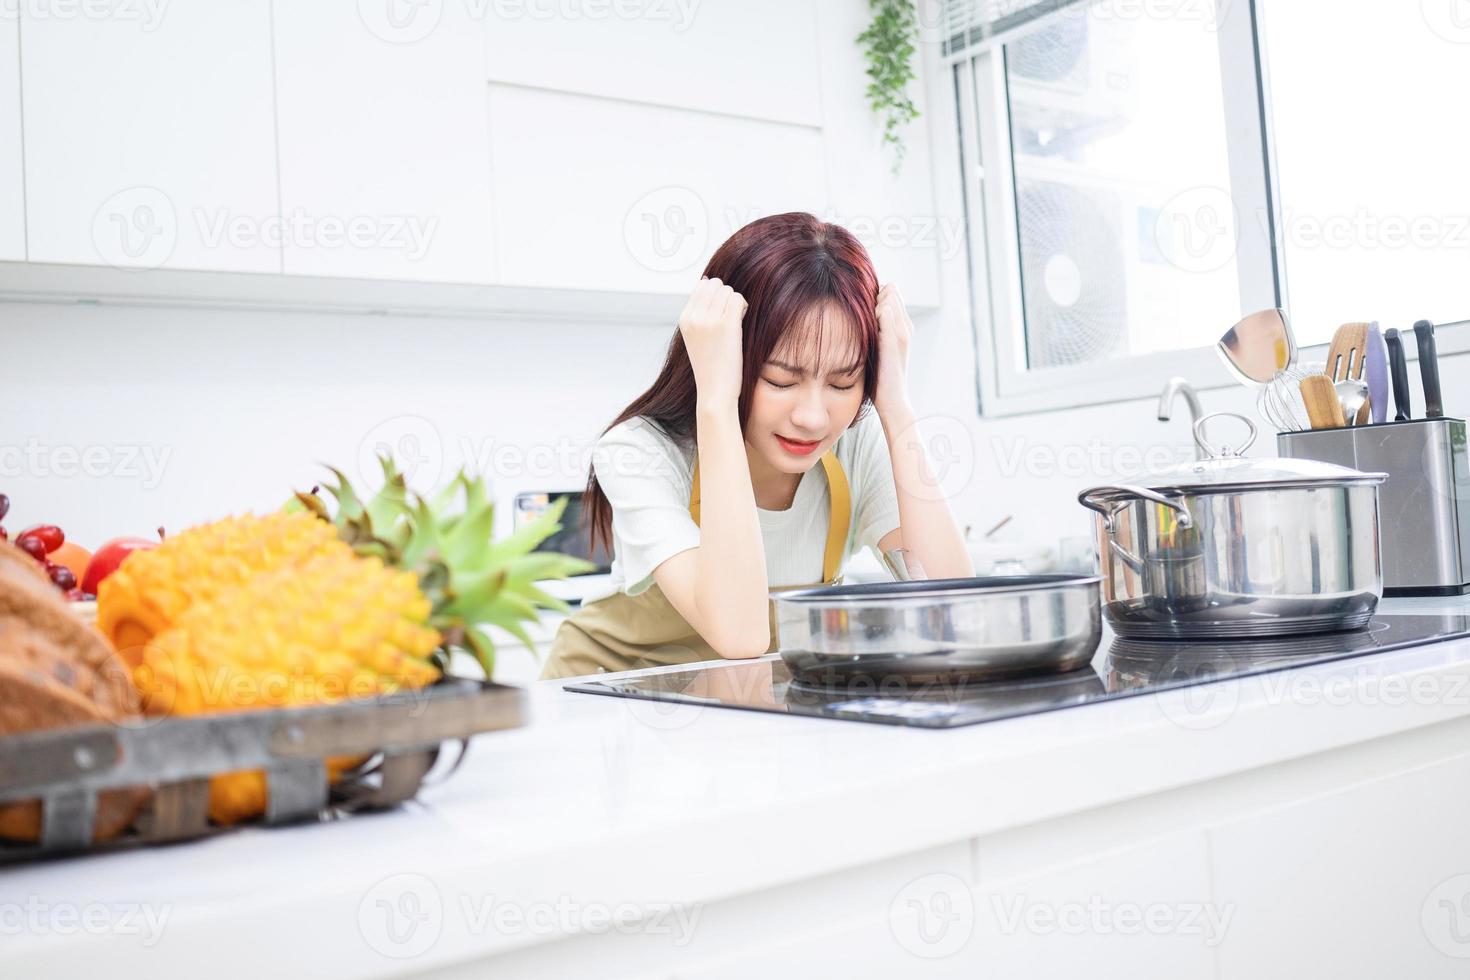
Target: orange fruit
point(73, 556)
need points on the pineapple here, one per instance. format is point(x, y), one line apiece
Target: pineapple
point(472, 581)
point(306, 606)
point(151, 589)
point(338, 626)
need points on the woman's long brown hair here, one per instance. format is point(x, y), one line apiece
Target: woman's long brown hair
point(786, 266)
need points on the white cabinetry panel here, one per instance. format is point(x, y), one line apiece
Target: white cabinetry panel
point(597, 194)
point(384, 141)
point(12, 172)
point(150, 140)
point(754, 58)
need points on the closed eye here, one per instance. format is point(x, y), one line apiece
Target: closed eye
point(779, 385)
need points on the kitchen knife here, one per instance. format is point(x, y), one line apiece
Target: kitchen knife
point(1399, 372)
point(1429, 369)
point(1376, 357)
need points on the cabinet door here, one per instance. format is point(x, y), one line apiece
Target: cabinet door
point(1371, 881)
point(620, 196)
point(12, 174)
point(385, 153)
point(149, 135)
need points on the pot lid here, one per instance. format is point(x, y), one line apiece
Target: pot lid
point(1225, 469)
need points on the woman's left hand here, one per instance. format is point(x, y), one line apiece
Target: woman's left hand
point(895, 330)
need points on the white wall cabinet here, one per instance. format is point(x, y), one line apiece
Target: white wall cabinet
point(383, 130)
point(619, 196)
point(12, 171)
point(755, 59)
point(151, 144)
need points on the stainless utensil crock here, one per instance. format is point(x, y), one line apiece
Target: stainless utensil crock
point(944, 629)
point(1235, 547)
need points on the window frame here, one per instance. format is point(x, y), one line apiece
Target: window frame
point(982, 113)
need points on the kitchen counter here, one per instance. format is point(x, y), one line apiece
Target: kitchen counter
point(1164, 835)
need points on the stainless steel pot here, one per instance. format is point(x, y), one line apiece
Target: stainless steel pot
point(1235, 547)
point(942, 629)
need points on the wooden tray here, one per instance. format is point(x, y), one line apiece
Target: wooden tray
point(174, 757)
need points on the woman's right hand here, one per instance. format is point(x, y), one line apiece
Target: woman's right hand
point(710, 325)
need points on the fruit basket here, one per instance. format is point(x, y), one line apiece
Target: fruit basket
point(400, 735)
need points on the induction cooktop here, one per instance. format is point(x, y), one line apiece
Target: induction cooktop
point(1121, 668)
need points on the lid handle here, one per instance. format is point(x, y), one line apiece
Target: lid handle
point(1224, 451)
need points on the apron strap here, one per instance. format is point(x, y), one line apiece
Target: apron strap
point(838, 521)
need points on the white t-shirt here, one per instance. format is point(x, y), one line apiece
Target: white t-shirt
point(647, 476)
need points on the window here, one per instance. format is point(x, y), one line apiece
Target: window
point(1115, 121)
point(1141, 173)
point(1368, 120)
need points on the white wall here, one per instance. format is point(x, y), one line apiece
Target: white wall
point(238, 407)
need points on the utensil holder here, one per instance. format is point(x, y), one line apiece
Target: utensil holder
point(1424, 507)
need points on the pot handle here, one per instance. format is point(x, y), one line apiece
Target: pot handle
point(1224, 451)
point(1086, 499)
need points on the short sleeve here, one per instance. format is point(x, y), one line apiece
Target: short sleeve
point(875, 503)
point(646, 477)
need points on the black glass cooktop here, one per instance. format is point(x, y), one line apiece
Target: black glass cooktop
point(1122, 668)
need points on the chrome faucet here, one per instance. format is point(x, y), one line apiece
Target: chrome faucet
point(1176, 387)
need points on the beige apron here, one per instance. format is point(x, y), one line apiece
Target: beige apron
point(626, 632)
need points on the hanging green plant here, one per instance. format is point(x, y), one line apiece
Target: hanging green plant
point(889, 47)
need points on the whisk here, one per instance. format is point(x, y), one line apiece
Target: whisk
point(1280, 401)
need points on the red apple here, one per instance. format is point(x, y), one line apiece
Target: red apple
point(106, 559)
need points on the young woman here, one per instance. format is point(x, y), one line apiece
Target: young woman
point(754, 462)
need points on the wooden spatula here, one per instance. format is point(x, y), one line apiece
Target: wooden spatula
point(1324, 409)
point(1347, 357)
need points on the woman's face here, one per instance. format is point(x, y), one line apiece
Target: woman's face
point(808, 393)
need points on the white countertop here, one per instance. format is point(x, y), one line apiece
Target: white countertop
point(618, 801)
